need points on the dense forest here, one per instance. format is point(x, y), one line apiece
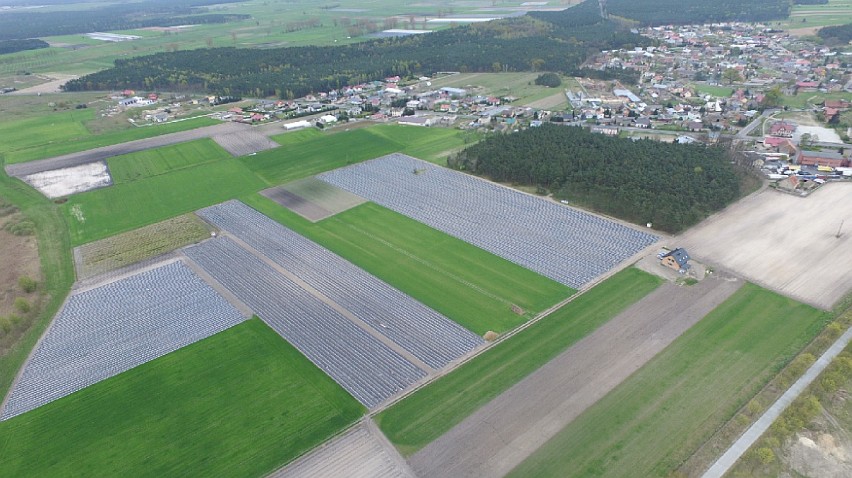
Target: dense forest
point(122, 16)
point(12, 46)
point(515, 44)
point(839, 35)
point(664, 12)
point(670, 185)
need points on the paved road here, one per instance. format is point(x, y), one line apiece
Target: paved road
point(726, 461)
point(501, 434)
point(743, 134)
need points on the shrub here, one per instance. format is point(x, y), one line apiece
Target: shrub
point(21, 227)
point(22, 305)
point(548, 79)
point(28, 284)
point(766, 455)
point(5, 325)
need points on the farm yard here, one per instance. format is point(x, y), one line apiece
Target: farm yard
point(193, 408)
point(786, 243)
point(112, 328)
point(564, 244)
point(659, 416)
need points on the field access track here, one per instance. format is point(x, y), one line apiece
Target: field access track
point(104, 331)
point(363, 365)
point(426, 334)
point(567, 245)
point(500, 435)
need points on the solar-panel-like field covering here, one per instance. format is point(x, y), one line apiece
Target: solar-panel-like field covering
point(370, 370)
point(105, 331)
point(567, 245)
point(428, 335)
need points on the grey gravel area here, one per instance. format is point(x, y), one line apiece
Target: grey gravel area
point(428, 335)
point(565, 244)
point(359, 362)
point(104, 331)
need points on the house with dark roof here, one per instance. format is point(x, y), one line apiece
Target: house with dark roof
point(677, 259)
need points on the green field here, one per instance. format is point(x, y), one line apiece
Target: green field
point(656, 419)
point(519, 85)
point(718, 91)
point(103, 212)
point(424, 416)
point(240, 403)
point(835, 12)
point(65, 132)
point(154, 162)
point(469, 285)
point(308, 152)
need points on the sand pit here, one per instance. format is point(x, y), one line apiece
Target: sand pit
point(67, 181)
point(782, 242)
point(313, 199)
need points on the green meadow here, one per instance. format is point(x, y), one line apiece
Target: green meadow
point(240, 403)
point(425, 415)
point(651, 423)
point(157, 161)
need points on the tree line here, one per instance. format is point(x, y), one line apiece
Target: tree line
point(680, 12)
point(670, 185)
point(12, 46)
point(555, 42)
point(837, 35)
point(120, 16)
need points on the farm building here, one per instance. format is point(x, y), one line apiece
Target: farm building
point(677, 259)
point(416, 121)
point(822, 158)
point(782, 129)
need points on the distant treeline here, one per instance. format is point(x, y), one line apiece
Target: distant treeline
point(671, 185)
point(663, 12)
point(12, 46)
point(839, 35)
point(121, 16)
point(554, 42)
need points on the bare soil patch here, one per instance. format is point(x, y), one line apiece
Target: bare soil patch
point(500, 435)
point(67, 181)
point(18, 258)
point(54, 84)
point(313, 199)
point(361, 452)
point(244, 143)
point(551, 101)
point(783, 242)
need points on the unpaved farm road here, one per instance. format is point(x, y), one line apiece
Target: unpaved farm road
point(500, 435)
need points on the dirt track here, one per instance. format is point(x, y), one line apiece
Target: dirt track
point(499, 436)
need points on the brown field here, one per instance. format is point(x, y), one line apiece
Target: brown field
point(313, 199)
point(18, 257)
point(148, 242)
point(783, 242)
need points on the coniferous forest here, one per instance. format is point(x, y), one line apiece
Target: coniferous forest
point(670, 185)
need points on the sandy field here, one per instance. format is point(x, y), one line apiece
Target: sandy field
point(825, 135)
point(784, 243)
point(362, 452)
point(67, 181)
point(500, 435)
point(52, 86)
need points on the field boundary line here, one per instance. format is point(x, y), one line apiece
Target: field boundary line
point(541, 315)
point(725, 462)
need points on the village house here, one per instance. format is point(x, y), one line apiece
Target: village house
point(782, 129)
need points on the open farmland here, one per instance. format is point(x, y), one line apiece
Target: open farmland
point(240, 403)
point(157, 161)
point(104, 212)
point(138, 245)
point(465, 283)
point(564, 244)
point(365, 366)
point(782, 242)
point(49, 136)
point(110, 329)
point(67, 181)
point(659, 416)
point(432, 338)
point(427, 414)
point(501, 434)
